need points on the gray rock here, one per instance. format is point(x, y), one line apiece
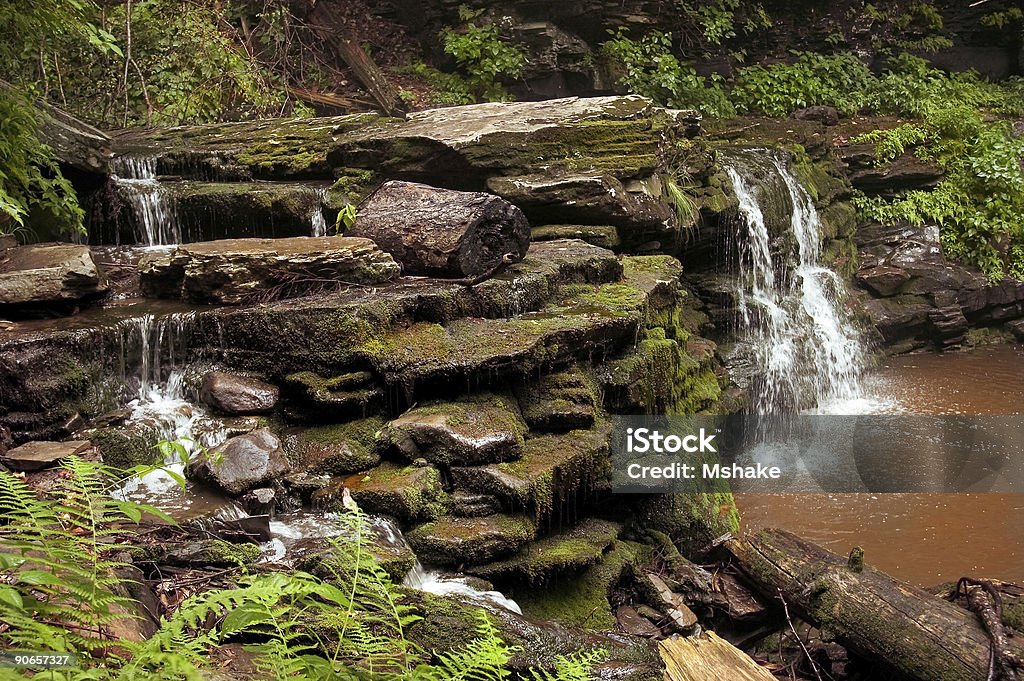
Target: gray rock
point(259, 501)
point(242, 462)
point(234, 394)
point(234, 271)
point(826, 115)
point(34, 456)
point(52, 273)
point(1017, 328)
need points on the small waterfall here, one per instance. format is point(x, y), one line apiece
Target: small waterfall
point(421, 579)
point(316, 216)
point(790, 307)
point(156, 223)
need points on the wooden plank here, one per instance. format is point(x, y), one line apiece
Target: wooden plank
point(706, 657)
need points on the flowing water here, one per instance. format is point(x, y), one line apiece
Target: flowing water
point(789, 306)
point(151, 204)
point(808, 358)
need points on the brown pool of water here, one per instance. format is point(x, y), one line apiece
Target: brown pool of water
point(926, 539)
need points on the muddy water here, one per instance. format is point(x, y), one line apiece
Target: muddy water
point(923, 538)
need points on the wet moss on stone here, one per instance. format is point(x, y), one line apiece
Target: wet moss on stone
point(471, 541)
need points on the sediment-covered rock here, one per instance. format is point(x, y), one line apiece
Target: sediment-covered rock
point(49, 273)
point(233, 271)
point(33, 456)
point(241, 463)
point(443, 233)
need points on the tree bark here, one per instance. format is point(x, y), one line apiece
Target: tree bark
point(869, 612)
point(441, 232)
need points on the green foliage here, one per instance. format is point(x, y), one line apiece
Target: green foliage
point(652, 70)
point(707, 24)
point(894, 142)
point(61, 587)
point(840, 80)
point(446, 89)
point(1006, 19)
point(30, 179)
point(483, 54)
point(346, 218)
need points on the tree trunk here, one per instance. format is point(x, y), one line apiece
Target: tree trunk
point(869, 612)
point(441, 232)
point(325, 20)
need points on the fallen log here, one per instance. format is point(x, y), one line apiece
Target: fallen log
point(872, 614)
point(698, 658)
point(441, 232)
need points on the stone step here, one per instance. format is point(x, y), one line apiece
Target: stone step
point(561, 554)
point(407, 493)
point(453, 541)
point(469, 505)
point(552, 470)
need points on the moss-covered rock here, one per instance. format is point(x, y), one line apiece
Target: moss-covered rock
point(312, 397)
point(335, 449)
point(605, 236)
point(582, 600)
point(564, 400)
point(471, 541)
point(407, 493)
point(692, 521)
point(128, 445)
point(559, 555)
point(483, 428)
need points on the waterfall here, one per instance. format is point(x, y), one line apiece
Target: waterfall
point(430, 581)
point(156, 223)
point(790, 307)
point(316, 216)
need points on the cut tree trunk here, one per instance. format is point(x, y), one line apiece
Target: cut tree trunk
point(707, 656)
point(869, 612)
point(441, 232)
point(325, 20)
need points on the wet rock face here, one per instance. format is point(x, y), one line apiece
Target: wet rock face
point(470, 541)
point(38, 275)
point(234, 394)
point(486, 429)
point(233, 271)
point(241, 463)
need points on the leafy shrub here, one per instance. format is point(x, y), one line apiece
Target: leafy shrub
point(650, 69)
point(839, 80)
point(447, 89)
point(483, 54)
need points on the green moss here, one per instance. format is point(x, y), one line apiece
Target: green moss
point(582, 600)
point(127, 446)
point(335, 449)
point(692, 521)
point(408, 493)
point(1013, 614)
point(471, 541)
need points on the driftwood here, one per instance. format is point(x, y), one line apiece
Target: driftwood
point(441, 232)
point(699, 658)
point(324, 20)
point(869, 612)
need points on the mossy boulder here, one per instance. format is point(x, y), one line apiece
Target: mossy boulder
point(128, 445)
point(693, 521)
point(312, 397)
point(471, 541)
point(407, 493)
point(334, 449)
point(484, 428)
point(582, 599)
point(559, 555)
point(605, 236)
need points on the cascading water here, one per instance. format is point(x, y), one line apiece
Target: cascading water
point(155, 220)
point(316, 216)
point(790, 307)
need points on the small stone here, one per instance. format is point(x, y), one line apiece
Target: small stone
point(826, 115)
point(242, 462)
point(260, 501)
point(632, 622)
point(34, 456)
point(670, 603)
point(234, 394)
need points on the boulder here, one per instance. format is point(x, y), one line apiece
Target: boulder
point(261, 501)
point(234, 271)
point(335, 449)
point(241, 463)
point(34, 456)
point(49, 273)
point(234, 394)
point(407, 493)
point(826, 115)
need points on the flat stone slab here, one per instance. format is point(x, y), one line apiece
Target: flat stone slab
point(34, 456)
point(233, 271)
point(49, 273)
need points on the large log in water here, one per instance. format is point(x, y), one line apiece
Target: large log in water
point(443, 233)
point(871, 613)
